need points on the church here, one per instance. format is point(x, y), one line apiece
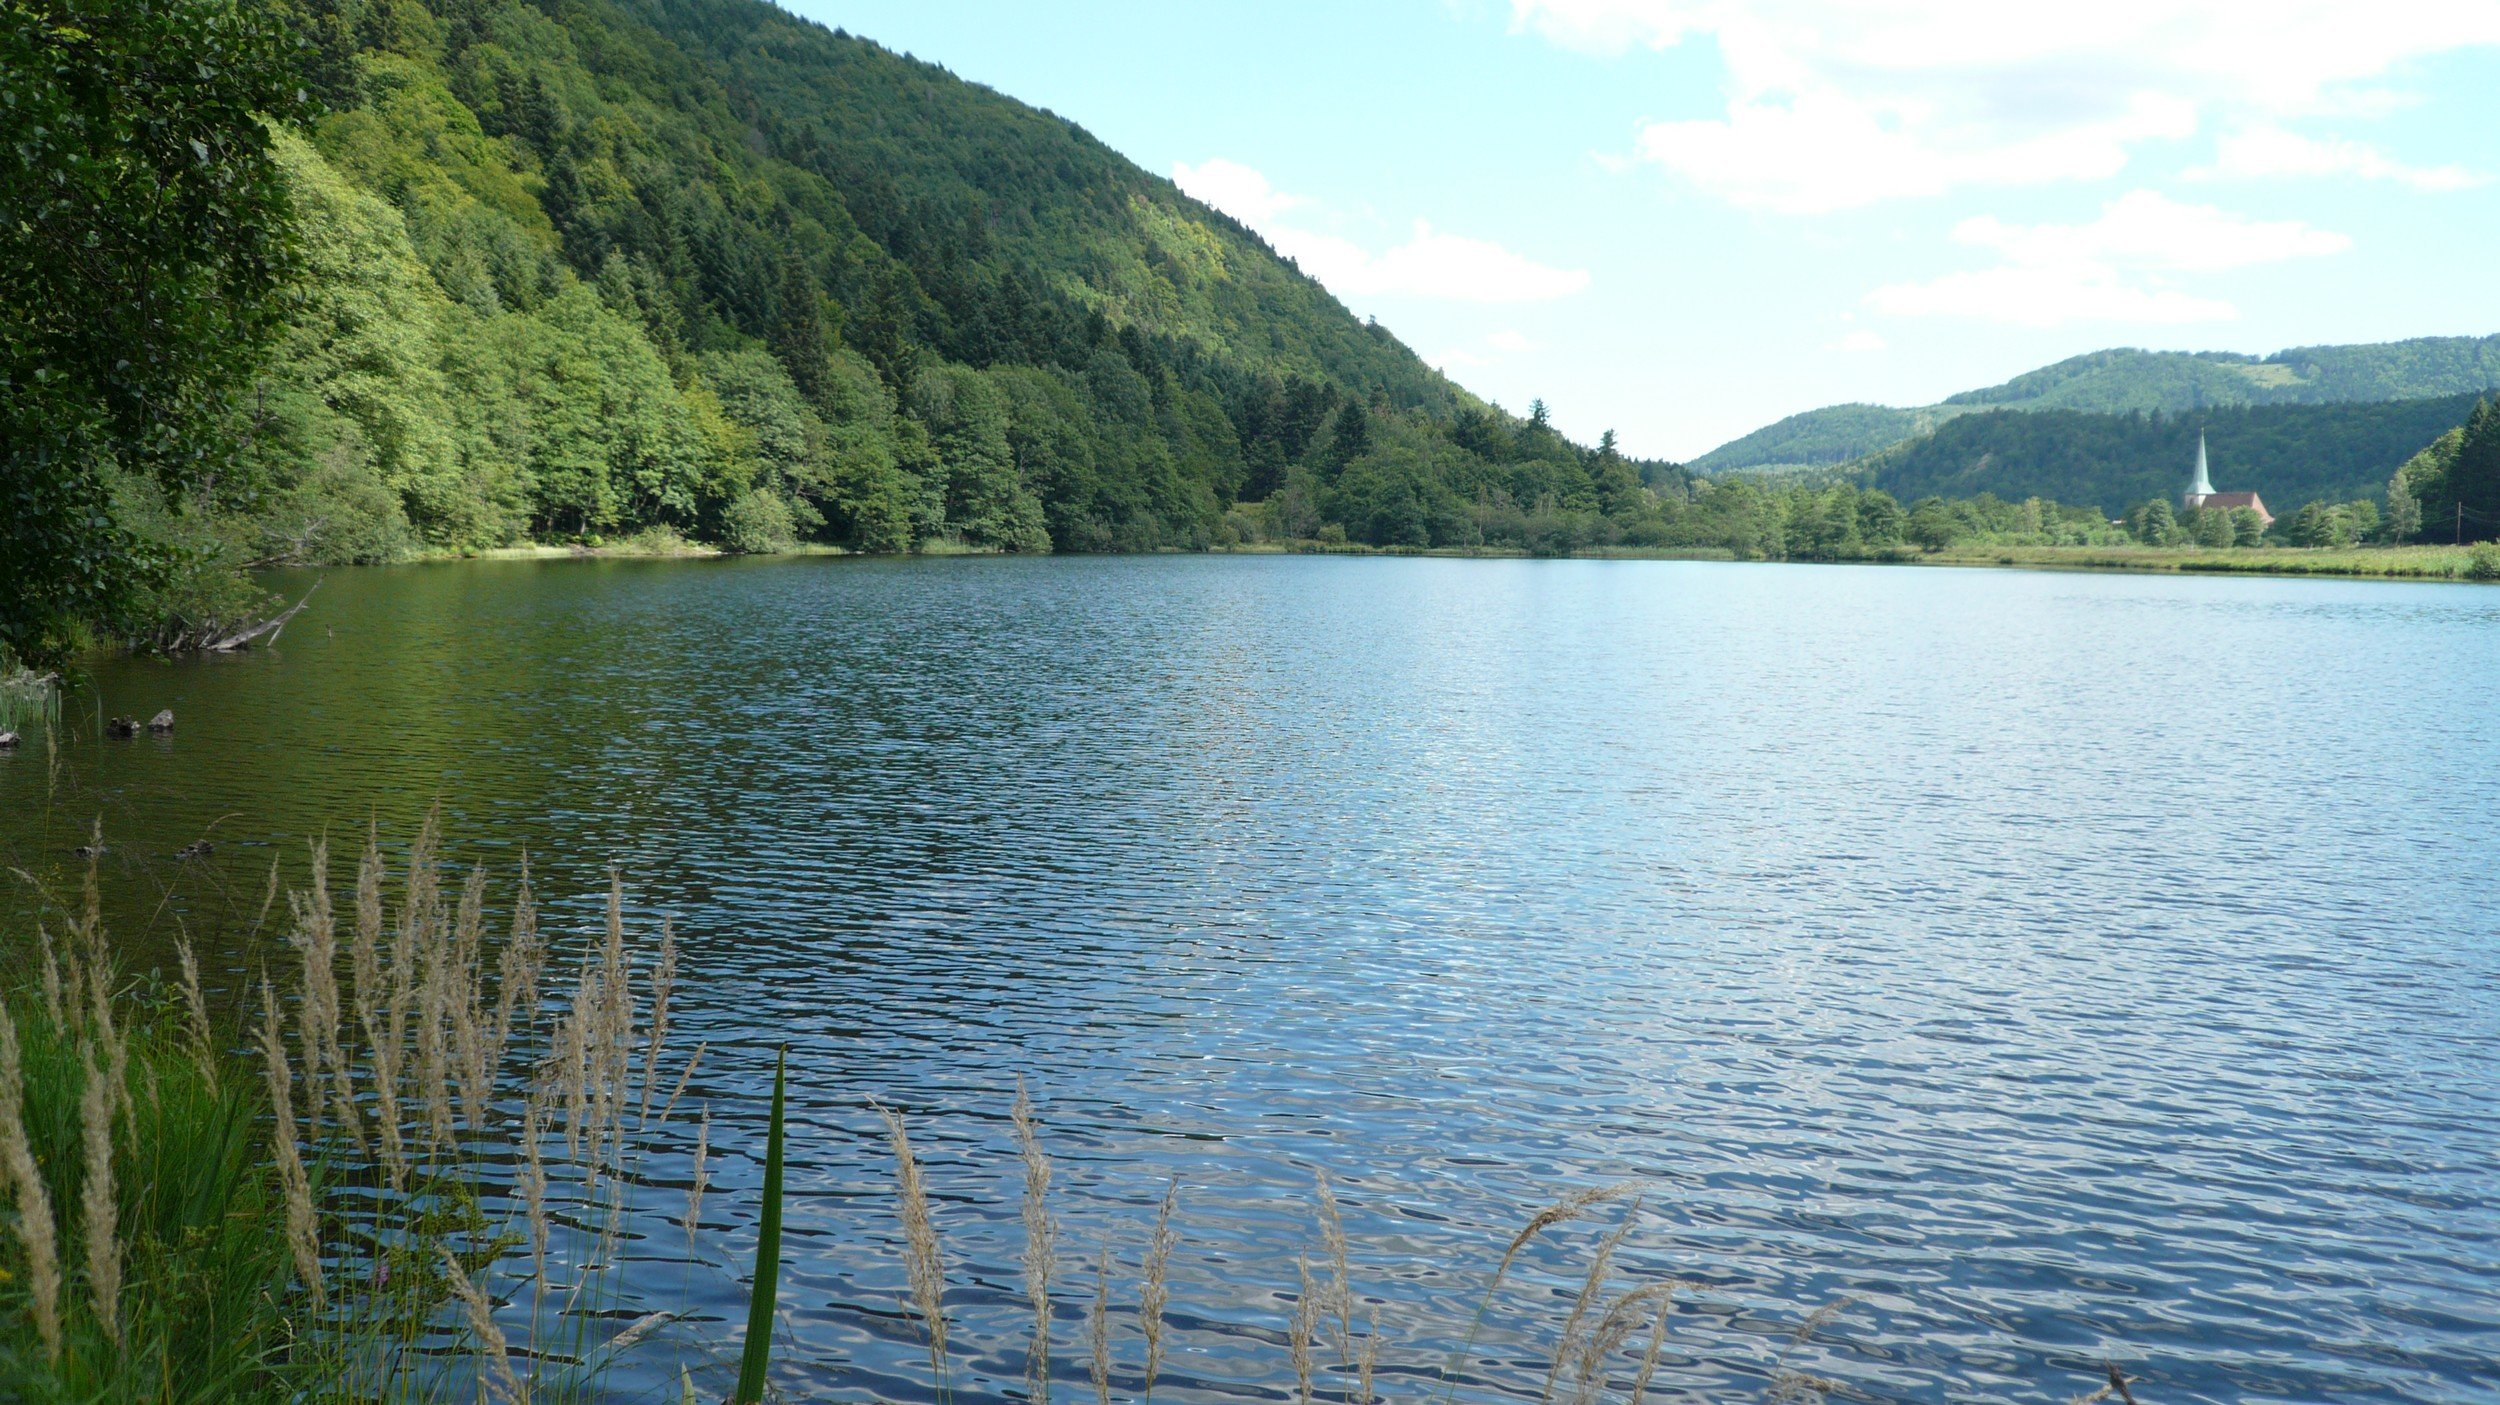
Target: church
point(2201, 492)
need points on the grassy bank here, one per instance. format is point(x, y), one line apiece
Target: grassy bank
point(1471, 553)
point(2392, 562)
point(2387, 562)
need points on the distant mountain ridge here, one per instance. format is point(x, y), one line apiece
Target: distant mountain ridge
point(2289, 454)
point(2126, 380)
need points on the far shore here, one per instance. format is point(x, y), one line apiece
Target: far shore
point(2448, 563)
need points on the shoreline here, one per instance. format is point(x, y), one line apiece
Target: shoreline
point(2400, 563)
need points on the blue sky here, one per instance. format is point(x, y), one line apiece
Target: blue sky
point(1683, 219)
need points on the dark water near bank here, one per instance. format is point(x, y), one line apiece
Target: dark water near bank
point(2062, 967)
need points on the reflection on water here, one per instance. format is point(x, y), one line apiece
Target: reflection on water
point(2059, 966)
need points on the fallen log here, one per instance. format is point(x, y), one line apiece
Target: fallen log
point(247, 635)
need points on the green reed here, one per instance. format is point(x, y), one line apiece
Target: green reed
point(29, 701)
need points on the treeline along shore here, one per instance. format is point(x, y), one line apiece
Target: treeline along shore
point(319, 282)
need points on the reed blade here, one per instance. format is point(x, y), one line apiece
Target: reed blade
point(759, 1343)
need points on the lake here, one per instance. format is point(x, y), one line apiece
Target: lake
point(2059, 967)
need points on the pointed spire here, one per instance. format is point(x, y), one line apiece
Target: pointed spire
point(2203, 487)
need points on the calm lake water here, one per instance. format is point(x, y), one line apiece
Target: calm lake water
point(2061, 967)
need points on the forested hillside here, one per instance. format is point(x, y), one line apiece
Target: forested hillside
point(2115, 382)
point(587, 268)
point(1834, 434)
point(566, 271)
point(2126, 380)
point(2288, 454)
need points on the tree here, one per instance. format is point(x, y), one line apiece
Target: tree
point(2314, 525)
point(144, 242)
point(2404, 510)
point(2361, 521)
point(1933, 525)
point(2210, 526)
point(1349, 437)
point(1616, 482)
point(799, 336)
point(1880, 518)
point(2474, 475)
point(2153, 523)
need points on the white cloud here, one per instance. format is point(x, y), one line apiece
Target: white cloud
point(2110, 270)
point(1833, 104)
point(1430, 264)
point(1236, 189)
point(1858, 341)
point(1487, 350)
point(1823, 151)
point(2046, 297)
point(2266, 151)
point(2149, 230)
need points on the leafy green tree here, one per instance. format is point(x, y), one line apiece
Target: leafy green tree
point(2153, 523)
point(1880, 519)
point(144, 242)
point(2209, 526)
point(2315, 525)
point(2403, 521)
point(986, 501)
point(2247, 528)
point(1932, 525)
point(759, 523)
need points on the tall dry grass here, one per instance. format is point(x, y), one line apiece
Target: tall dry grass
point(430, 1155)
point(418, 1189)
point(1606, 1343)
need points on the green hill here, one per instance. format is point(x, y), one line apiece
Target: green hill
point(2126, 380)
point(2287, 454)
point(2114, 382)
point(582, 270)
point(592, 267)
point(1832, 435)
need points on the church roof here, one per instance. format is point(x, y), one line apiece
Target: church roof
point(2228, 501)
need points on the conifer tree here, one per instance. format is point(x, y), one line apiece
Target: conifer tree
point(799, 335)
point(2474, 477)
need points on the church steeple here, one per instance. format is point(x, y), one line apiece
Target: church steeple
point(2203, 487)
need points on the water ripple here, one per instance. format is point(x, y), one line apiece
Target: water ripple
point(2063, 967)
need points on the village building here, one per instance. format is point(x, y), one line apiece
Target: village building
point(2201, 492)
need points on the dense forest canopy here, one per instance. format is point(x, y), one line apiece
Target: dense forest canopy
point(583, 269)
point(2288, 454)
